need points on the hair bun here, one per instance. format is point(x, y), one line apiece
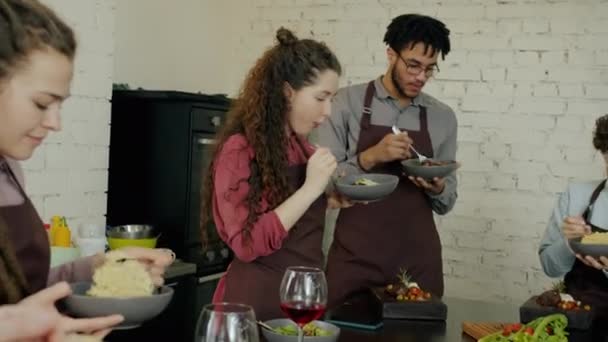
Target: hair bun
point(286, 37)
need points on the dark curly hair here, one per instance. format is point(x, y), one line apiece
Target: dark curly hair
point(28, 25)
point(600, 135)
point(259, 113)
point(409, 29)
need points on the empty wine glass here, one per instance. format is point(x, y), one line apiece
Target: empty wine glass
point(227, 322)
point(303, 295)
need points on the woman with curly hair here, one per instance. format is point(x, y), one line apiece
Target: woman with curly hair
point(580, 211)
point(265, 187)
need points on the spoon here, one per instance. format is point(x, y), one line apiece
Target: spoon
point(264, 325)
point(421, 157)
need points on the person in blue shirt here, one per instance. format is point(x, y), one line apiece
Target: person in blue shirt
point(580, 210)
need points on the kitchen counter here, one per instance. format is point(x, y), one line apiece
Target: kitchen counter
point(459, 310)
point(179, 268)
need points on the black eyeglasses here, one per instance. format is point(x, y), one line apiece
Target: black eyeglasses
point(414, 68)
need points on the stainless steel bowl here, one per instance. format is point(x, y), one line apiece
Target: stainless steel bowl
point(132, 231)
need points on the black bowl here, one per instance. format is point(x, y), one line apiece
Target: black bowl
point(385, 185)
point(135, 310)
point(584, 249)
point(413, 167)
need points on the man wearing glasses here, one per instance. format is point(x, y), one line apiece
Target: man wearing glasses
point(374, 242)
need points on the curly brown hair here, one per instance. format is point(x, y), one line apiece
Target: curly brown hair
point(259, 113)
point(600, 135)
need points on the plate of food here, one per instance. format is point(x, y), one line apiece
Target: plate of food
point(580, 315)
point(405, 299)
point(285, 330)
point(594, 244)
point(430, 168)
point(120, 286)
point(549, 328)
point(367, 187)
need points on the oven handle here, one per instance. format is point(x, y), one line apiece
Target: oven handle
point(206, 141)
point(210, 277)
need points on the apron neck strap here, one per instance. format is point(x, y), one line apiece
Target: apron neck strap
point(594, 196)
point(366, 118)
point(423, 119)
point(4, 167)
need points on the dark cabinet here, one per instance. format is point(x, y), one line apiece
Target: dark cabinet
point(159, 148)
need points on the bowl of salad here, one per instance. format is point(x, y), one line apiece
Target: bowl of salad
point(367, 187)
point(285, 330)
point(551, 328)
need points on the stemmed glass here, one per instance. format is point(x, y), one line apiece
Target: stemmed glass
point(227, 322)
point(303, 295)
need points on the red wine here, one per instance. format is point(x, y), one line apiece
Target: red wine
point(301, 313)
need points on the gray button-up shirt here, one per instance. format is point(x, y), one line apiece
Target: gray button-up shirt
point(341, 132)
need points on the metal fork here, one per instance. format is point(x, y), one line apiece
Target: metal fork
point(421, 157)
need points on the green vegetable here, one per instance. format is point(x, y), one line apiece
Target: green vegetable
point(310, 329)
point(541, 326)
point(365, 181)
point(287, 330)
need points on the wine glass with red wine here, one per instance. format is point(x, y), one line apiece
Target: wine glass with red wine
point(303, 295)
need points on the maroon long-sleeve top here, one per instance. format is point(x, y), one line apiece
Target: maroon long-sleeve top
point(230, 211)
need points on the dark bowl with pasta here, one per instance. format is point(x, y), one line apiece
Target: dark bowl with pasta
point(367, 187)
point(594, 245)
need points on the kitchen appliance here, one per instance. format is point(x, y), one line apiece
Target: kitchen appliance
point(159, 148)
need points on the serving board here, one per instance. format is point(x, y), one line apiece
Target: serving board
point(432, 309)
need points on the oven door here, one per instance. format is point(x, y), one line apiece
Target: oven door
point(216, 256)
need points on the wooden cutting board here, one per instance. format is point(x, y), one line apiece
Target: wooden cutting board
point(478, 330)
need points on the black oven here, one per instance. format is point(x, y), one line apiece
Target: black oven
point(159, 147)
point(213, 258)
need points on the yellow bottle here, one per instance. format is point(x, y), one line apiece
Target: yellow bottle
point(62, 235)
point(56, 222)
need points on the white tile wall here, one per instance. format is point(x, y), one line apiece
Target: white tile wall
point(527, 80)
point(68, 174)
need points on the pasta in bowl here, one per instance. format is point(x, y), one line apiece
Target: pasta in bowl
point(594, 244)
point(367, 187)
point(120, 286)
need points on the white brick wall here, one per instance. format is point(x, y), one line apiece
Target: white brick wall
point(527, 79)
point(68, 174)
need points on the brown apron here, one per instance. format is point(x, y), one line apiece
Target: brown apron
point(257, 283)
point(373, 242)
point(28, 238)
point(585, 283)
